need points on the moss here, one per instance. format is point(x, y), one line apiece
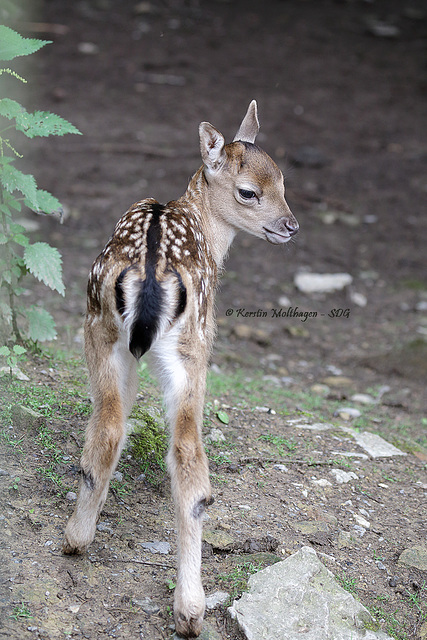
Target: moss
point(148, 445)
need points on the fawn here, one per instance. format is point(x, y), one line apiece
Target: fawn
point(153, 287)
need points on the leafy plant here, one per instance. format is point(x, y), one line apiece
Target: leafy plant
point(18, 255)
point(148, 444)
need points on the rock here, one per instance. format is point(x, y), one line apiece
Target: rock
point(71, 496)
point(27, 418)
point(381, 29)
point(346, 540)
point(342, 477)
point(3, 472)
point(216, 435)
point(260, 545)
point(361, 521)
point(284, 301)
point(219, 539)
point(156, 547)
point(415, 557)
point(308, 527)
point(118, 475)
point(216, 599)
point(322, 282)
point(88, 48)
point(16, 372)
point(358, 299)
point(316, 606)
point(147, 605)
point(246, 332)
point(316, 426)
point(281, 467)
point(363, 398)
point(347, 413)
point(376, 446)
point(320, 389)
point(104, 526)
point(322, 482)
point(338, 381)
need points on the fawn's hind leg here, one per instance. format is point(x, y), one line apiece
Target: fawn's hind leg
point(112, 371)
point(184, 363)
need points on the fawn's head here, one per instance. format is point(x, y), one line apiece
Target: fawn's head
point(246, 187)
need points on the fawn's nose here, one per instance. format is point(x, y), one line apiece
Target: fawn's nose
point(292, 225)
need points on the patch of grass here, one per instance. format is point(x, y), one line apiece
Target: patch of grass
point(21, 610)
point(148, 445)
point(236, 582)
point(349, 584)
point(280, 443)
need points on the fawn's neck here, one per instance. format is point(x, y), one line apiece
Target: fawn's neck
point(218, 233)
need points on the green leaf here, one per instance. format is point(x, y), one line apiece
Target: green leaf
point(41, 325)
point(12, 44)
point(19, 350)
point(14, 180)
point(46, 203)
point(43, 123)
point(21, 240)
point(4, 351)
point(3, 238)
point(9, 108)
point(45, 263)
point(223, 417)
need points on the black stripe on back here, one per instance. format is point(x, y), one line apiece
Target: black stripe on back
point(148, 305)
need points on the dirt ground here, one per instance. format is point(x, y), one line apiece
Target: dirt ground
point(341, 89)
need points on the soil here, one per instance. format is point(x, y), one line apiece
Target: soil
point(342, 111)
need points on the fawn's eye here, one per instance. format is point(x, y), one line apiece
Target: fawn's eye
point(247, 194)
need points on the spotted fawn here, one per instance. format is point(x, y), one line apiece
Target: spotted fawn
point(153, 287)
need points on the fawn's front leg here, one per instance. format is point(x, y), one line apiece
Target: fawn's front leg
point(189, 471)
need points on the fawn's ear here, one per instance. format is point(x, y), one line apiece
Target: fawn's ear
point(211, 146)
point(249, 128)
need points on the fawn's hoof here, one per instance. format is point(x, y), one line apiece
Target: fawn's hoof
point(76, 538)
point(188, 626)
point(189, 609)
point(71, 549)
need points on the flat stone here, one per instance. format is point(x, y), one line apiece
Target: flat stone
point(342, 477)
point(322, 282)
point(156, 547)
point(376, 446)
point(415, 557)
point(347, 413)
point(363, 398)
point(25, 417)
point(300, 598)
point(316, 426)
point(216, 599)
point(147, 605)
point(219, 539)
point(322, 482)
point(361, 521)
point(309, 526)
